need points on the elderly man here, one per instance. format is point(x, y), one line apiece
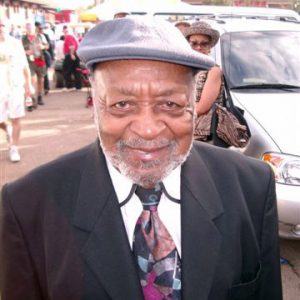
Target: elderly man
point(142, 213)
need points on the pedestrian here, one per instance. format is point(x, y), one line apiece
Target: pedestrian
point(71, 61)
point(15, 31)
point(48, 55)
point(34, 44)
point(210, 83)
point(48, 30)
point(59, 49)
point(15, 75)
point(144, 212)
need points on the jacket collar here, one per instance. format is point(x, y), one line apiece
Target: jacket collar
point(97, 213)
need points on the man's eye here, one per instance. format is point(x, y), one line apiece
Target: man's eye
point(169, 105)
point(122, 108)
point(122, 105)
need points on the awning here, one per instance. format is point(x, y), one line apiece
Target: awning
point(88, 16)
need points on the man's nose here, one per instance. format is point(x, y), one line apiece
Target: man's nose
point(148, 124)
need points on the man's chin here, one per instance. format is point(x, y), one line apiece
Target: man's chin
point(146, 172)
point(146, 178)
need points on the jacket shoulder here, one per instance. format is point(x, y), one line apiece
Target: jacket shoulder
point(228, 160)
point(60, 172)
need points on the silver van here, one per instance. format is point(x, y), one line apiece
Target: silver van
point(190, 12)
point(260, 60)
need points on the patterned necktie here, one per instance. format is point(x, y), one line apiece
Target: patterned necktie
point(155, 251)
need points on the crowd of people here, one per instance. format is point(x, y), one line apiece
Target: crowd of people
point(25, 57)
point(42, 50)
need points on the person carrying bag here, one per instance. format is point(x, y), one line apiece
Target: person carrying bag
point(218, 121)
point(224, 124)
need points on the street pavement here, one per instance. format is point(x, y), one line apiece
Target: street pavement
point(64, 124)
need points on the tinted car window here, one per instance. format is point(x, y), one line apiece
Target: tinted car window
point(261, 58)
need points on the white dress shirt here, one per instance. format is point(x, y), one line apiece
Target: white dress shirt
point(169, 211)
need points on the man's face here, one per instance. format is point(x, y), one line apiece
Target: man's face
point(38, 29)
point(29, 29)
point(144, 112)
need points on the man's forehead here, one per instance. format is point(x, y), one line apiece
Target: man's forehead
point(142, 81)
point(130, 76)
point(126, 65)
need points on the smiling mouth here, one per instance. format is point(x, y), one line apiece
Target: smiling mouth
point(149, 154)
point(148, 150)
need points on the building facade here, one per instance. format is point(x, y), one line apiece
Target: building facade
point(21, 12)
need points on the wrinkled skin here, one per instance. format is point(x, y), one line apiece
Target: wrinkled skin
point(144, 113)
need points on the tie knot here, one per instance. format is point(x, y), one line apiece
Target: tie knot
point(149, 197)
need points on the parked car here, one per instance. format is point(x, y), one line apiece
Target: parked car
point(265, 13)
point(261, 62)
point(183, 10)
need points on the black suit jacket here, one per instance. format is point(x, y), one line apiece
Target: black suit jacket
point(63, 237)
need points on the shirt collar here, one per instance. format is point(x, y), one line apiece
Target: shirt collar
point(123, 185)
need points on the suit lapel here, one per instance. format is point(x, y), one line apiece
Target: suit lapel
point(201, 239)
point(97, 213)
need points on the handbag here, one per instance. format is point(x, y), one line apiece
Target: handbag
point(230, 125)
point(202, 129)
point(224, 124)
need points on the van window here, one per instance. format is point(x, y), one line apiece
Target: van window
point(266, 58)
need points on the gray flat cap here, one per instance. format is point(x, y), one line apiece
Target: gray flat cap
point(139, 38)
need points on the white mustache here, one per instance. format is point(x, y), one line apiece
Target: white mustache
point(146, 144)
